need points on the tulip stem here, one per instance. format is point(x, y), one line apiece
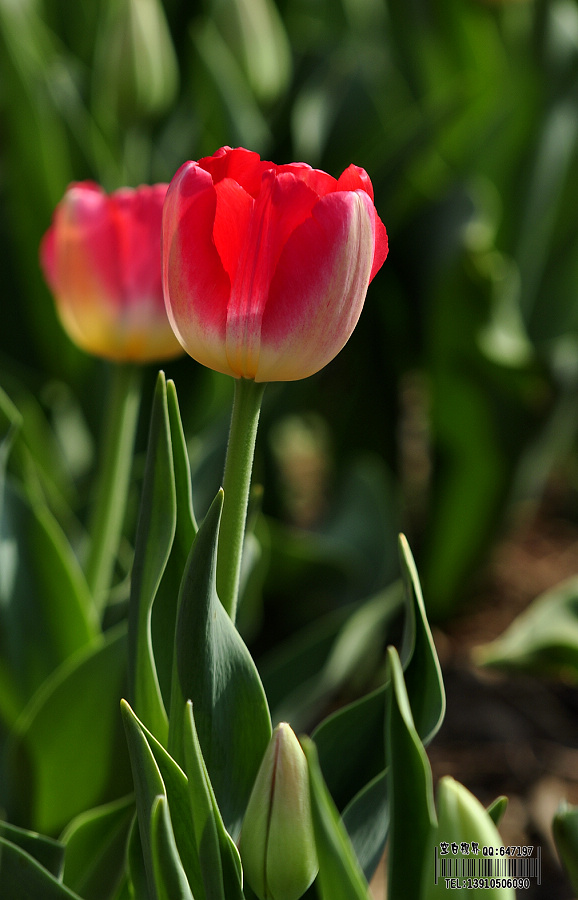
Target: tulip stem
point(108, 512)
point(236, 485)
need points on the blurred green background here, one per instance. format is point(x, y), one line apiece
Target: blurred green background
point(456, 397)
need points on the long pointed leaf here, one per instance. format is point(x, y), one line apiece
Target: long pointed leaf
point(175, 787)
point(422, 672)
point(215, 670)
point(22, 877)
point(340, 877)
point(154, 539)
point(170, 879)
point(219, 857)
point(410, 789)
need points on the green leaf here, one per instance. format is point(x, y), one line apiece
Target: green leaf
point(164, 611)
point(357, 728)
point(170, 879)
point(410, 789)
point(46, 612)
point(366, 819)
point(22, 877)
point(339, 877)
point(422, 672)
point(154, 539)
point(151, 763)
point(218, 854)
point(48, 852)
point(96, 845)
point(68, 752)
point(543, 640)
point(497, 809)
point(138, 885)
point(216, 671)
point(148, 785)
point(461, 817)
point(565, 829)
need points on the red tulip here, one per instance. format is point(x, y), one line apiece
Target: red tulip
point(266, 267)
point(101, 258)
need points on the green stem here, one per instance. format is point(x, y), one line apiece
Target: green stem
point(236, 485)
point(113, 480)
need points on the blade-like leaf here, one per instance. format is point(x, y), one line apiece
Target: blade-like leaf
point(422, 672)
point(219, 857)
point(22, 877)
point(215, 670)
point(170, 879)
point(48, 852)
point(366, 819)
point(357, 730)
point(154, 539)
point(543, 640)
point(96, 843)
point(176, 789)
point(497, 809)
point(410, 789)
point(340, 877)
point(164, 611)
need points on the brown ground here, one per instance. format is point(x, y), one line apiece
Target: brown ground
point(514, 735)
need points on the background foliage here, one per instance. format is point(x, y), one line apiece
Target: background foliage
point(456, 393)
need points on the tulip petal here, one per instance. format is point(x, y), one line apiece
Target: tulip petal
point(318, 289)
point(284, 202)
point(355, 178)
point(195, 283)
point(232, 217)
point(243, 166)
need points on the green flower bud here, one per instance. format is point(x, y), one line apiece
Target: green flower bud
point(277, 844)
point(136, 70)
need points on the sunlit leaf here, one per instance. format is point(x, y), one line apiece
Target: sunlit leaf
point(410, 790)
point(216, 672)
point(340, 877)
point(154, 539)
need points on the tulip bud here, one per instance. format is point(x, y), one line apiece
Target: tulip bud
point(277, 843)
point(136, 66)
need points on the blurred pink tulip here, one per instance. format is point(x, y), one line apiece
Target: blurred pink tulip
point(101, 258)
point(266, 267)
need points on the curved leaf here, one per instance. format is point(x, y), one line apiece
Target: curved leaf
point(216, 672)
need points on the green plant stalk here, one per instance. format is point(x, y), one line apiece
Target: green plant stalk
point(113, 479)
point(236, 485)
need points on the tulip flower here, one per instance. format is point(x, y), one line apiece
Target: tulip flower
point(101, 258)
point(277, 843)
point(266, 267)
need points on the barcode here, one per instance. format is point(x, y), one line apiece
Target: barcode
point(484, 867)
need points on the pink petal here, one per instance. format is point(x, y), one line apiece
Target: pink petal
point(137, 215)
point(355, 178)
point(243, 166)
point(196, 285)
point(284, 202)
point(232, 217)
point(319, 287)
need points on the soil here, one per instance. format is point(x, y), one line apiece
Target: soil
point(513, 734)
